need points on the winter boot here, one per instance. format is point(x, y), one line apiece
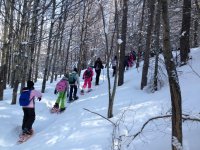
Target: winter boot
point(56, 105)
point(76, 97)
point(62, 109)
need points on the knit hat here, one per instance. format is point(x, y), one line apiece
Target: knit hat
point(75, 69)
point(30, 84)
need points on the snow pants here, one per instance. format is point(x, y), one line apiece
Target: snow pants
point(88, 82)
point(29, 118)
point(61, 99)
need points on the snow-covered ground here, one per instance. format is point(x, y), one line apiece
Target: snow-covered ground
point(78, 129)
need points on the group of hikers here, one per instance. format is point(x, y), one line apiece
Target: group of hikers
point(129, 61)
point(66, 88)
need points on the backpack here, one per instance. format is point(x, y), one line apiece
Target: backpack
point(88, 73)
point(61, 85)
point(72, 78)
point(24, 99)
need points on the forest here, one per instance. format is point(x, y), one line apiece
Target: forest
point(44, 39)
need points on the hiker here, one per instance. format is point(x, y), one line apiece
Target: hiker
point(98, 66)
point(29, 110)
point(114, 65)
point(87, 76)
point(74, 84)
point(62, 87)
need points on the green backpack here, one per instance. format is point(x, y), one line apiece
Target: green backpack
point(72, 78)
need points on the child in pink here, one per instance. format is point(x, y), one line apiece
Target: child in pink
point(29, 111)
point(87, 76)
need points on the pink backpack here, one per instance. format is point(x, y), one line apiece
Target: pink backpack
point(61, 86)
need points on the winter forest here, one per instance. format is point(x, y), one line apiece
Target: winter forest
point(41, 40)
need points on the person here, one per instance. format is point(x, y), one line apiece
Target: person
point(114, 65)
point(87, 76)
point(29, 110)
point(74, 84)
point(98, 66)
point(62, 87)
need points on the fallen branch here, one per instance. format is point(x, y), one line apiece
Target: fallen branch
point(100, 116)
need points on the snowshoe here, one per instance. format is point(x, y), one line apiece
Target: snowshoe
point(89, 90)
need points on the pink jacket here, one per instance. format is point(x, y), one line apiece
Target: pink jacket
point(34, 94)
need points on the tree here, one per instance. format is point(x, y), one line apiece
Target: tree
point(185, 32)
point(151, 7)
point(157, 44)
point(175, 90)
point(49, 47)
point(123, 45)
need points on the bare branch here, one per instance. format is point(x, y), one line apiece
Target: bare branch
point(100, 116)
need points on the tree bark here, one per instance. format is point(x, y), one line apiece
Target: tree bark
point(139, 53)
point(151, 7)
point(173, 79)
point(157, 45)
point(49, 47)
point(185, 32)
point(123, 44)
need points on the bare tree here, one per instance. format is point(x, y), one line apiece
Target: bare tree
point(157, 44)
point(151, 7)
point(185, 32)
point(123, 45)
point(175, 90)
point(49, 47)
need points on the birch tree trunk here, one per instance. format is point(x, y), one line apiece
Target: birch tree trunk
point(173, 80)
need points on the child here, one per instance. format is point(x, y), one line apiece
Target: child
point(29, 110)
point(61, 88)
point(87, 76)
point(74, 84)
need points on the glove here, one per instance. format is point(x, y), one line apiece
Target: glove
point(39, 98)
point(55, 92)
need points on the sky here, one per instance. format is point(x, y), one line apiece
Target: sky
point(78, 129)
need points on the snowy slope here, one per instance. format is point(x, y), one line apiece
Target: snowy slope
point(78, 129)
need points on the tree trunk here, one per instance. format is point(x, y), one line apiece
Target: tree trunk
point(151, 7)
point(49, 47)
point(196, 26)
point(139, 53)
point(157, 45)
point(173, 80)
point(185, 32)
point(39, 45)
point(1, 84)
point(123, 44)
point(33, 36)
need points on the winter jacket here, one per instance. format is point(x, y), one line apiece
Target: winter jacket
point(98, 65)
point(33, 95)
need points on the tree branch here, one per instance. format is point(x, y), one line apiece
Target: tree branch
point(100, 116)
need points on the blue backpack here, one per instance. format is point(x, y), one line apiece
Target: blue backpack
point(24, 99)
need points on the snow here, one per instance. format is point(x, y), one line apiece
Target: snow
point(78, 129)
